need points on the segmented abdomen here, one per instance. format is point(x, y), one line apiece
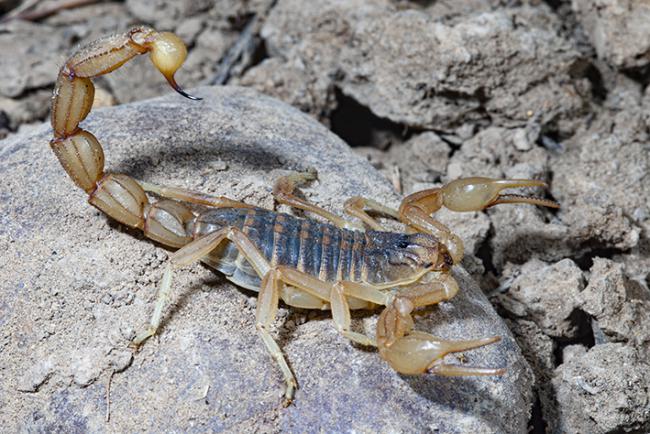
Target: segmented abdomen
point(319, 249)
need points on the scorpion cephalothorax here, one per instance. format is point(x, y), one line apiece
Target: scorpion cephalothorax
point(305, 262)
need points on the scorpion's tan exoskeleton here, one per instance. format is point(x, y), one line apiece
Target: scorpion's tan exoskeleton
point(303, 262)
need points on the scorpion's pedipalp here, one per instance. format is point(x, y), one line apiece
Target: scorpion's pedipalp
point(518, 198)
point(475, 194)
point(449, 370)
point(414, 352)
point(420, 352)
point(465, 194)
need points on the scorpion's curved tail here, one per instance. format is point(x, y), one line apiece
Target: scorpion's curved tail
point(80, 153)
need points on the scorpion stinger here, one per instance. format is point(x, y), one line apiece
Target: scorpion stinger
point(167, 53)
point(180, 90)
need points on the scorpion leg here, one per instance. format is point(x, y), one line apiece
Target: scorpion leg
point(192, 196)
point(466, 194)
point(341, 316)
point(355, 206)
point(267, 298)
point(341, 308)
point(336, 293)
point(283, 192)
point(414, 352)
point(406, 351)
point(266, 310)
point(193, 252)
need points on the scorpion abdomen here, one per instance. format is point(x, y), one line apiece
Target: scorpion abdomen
point(319, 249)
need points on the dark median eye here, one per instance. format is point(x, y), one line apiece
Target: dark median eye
point(402, 244)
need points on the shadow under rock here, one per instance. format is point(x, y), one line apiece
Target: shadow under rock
point(250, 155)
point(524, 247)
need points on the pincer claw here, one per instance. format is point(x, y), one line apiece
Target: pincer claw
point(475, 194)
point(420, 352)
point(414, 352)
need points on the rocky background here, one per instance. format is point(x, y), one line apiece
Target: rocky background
point(429, 91)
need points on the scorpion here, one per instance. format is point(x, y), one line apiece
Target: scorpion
point(339, 265)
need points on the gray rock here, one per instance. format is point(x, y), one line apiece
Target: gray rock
point(547, 295)
point(30, 53)
point(538, 349)
point(492, 152)
point(412, 69)
point(430, 154)
point(294, 83)
point(166, 14)
point(623, 92)
point(602, 391)
point(35, 376)
point(618, 29)
point(571, 352)
point(620, 307)
point(8, 5)
point(603, 182)
point(522, 140)
point(451, 10)
point(31, 108)
point(637, 264)
point(422, 158)
point(27, 58)
point(208, 370)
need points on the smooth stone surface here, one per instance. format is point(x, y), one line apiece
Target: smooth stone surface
point(74, 285)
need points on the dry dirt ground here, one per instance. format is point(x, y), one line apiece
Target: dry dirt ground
point(424, 91)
